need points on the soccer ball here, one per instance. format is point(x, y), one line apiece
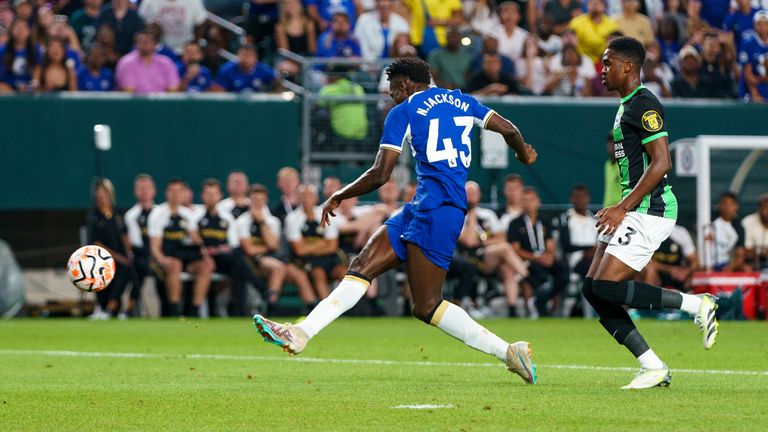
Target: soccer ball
point(91, 268)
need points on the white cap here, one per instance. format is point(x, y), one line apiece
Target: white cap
point(760, 15)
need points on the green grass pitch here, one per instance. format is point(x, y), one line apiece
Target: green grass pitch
point(217, 375)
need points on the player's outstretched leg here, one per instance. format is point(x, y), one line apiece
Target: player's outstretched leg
point(426, 281)
point(376, 257)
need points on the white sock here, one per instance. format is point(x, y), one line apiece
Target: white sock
point(650, 360)
point(690, 304)
point(346, 295)
point(454, 321)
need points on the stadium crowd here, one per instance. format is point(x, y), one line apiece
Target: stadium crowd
point(510, 261)
point(703, 49)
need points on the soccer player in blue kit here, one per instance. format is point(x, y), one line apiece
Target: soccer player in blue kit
point(437, 124)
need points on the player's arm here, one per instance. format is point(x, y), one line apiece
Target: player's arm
point(372, 179)
point(752, 81)
point(514, 139)
point(522, 253)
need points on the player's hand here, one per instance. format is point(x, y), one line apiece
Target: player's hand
point(328, 208)
point(609, 220)
point(530, 155)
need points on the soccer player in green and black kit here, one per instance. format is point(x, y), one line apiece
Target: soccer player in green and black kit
point(633, 229)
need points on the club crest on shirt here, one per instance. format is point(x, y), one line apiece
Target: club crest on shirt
point(652, 121)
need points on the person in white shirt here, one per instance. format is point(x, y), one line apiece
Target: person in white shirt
point(288, 183)
point(513, 200)
point(376, 30)
point(576, 232)
point(313, 247)
point(237, 201)
point(725, 251)
point(259, 235)
point(510, 36)
point(756, 234)
point(136, 224)
point(176, 246)
point(483, 242)
point(179, 19)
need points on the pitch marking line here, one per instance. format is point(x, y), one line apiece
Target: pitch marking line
point(53, 353)
point(422, 407)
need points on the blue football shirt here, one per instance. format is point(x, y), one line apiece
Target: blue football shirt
point(201, 82)
point(753, 51)
point(104, 81)
point(234, 79)
point(437, 124)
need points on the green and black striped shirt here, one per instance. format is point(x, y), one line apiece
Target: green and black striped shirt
point(640, 120)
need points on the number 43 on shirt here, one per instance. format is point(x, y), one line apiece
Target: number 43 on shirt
point(449, 153)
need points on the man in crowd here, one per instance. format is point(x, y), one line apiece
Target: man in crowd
point(576, 230)
point(338, 41)
point(84, 22)
point(144, 70)
point(124, 21)
point(592, 29)
point(237, 201)
point(179, 18)
point(451, 63)
point(246, 74)
point(288, 185)
point(690, 83)
point(376, 30)
point(513, 200)
point(727, 241)
point(195, 77)
point(490, 81)
point(756, 234)
point(176, 246)
point(136, 223)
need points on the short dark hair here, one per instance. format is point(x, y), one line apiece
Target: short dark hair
point(629, 49)
point(530, 189)
point(249, 47)
point(414, 68)
point(579, 187)
point(730, 195)
point(175, 180)
point(511, 178)
point(146, 32)
point(211, 182)
point(258, 188)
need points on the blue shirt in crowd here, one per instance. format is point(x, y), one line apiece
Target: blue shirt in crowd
point(753, 51)
point(738, 23)
point(233, 79)
point(327, 8)
point(104, 81)
point(20, 74)
point(328, 46)
point(201, 82)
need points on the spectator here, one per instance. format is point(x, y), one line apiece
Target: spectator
point(24, 10)
point(144, 71)
point(60, 29)
point(547, 40)
point(713, 67)
point(105, 37)
point(195, 78)
point(677, 10)
point(156, 29)
point(513, 197)
point(567, 78)
point(482, 242)
point(482, 16)
point(399, 50)
point(294, 31)
point(740, 20)
point(669, 42)
point(451, 64)
point(176, 246)
point(510, 35)
point(673, 264)
point(656, 76)
point(263, 16)
point(313, 248)
point(20, 57)
point(531, 237)
point(712, 11)
point(84, 22)
point(136, 224)
point(562, 12)
point(349, 118)
point(237, 202)
point(180, 19)
point(756, 234)
point(246, 74)
point(259, 234)
point(592, 30)
point(727, 250)
point(338, 41)
point(634, 24)
point(55, 74)
point(322, 12)
point(576, 231)
point(288, 185)
point(490, 81)
point(490, 45)
point(376, 30)
point(124, 21)
point(537, 68)
point(690, 83)
point(43, 21)
point(107, 229)
point(587, 68)
point(430, 20)
point(752, 55)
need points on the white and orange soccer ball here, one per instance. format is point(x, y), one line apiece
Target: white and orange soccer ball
point(91, 268)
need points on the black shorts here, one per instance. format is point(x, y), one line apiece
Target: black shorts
point(668, 282)
point(326, 262)
point(187, 255)
point(475, 256)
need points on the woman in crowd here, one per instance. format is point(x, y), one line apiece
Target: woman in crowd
point(56, 73)
point(94, 76)
point(294, 31)
point(20, 57)
point(105, 37)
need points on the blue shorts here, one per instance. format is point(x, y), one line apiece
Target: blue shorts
point(434, 231)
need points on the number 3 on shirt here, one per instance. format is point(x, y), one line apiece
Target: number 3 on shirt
point(449, 152)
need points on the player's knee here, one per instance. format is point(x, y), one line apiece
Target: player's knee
point(587, 291)
point(425, 310)
point(606, 290)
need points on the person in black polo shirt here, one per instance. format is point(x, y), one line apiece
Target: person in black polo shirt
point(531, 237)
point(237, 202)
point(136, 223)
point(176, 246)
point(107, 229)
point(491, 81)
